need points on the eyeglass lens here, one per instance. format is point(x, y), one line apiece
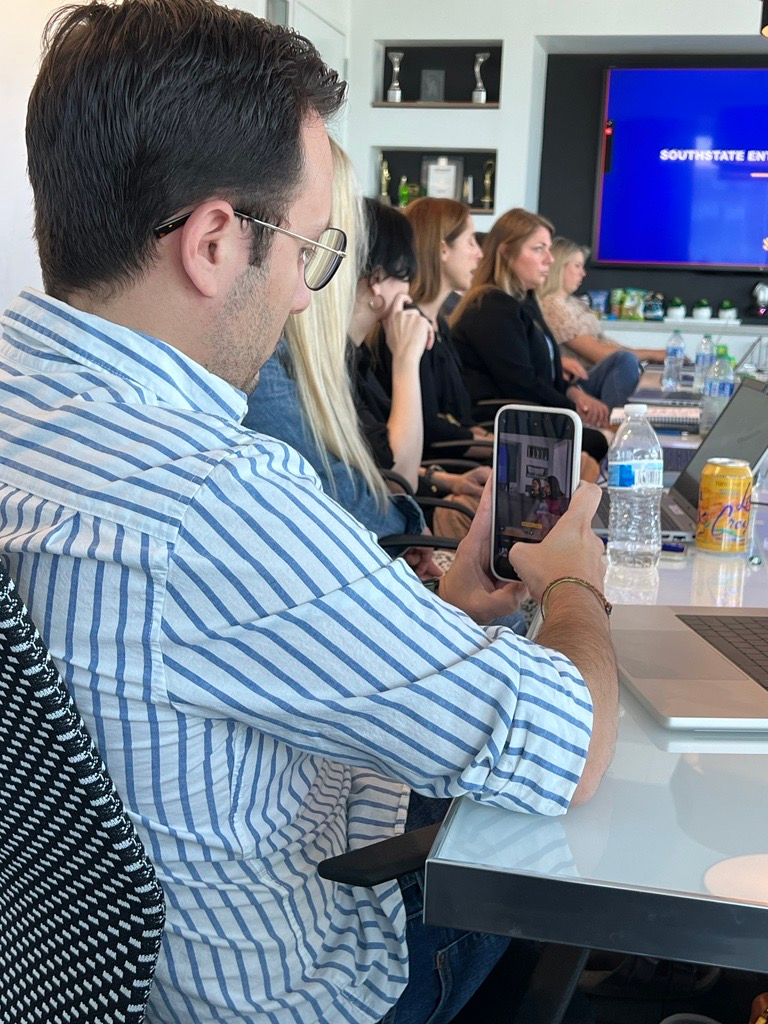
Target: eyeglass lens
point(319, 270)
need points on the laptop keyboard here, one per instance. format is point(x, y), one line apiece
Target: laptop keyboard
point(743, 639)
point(668, 522)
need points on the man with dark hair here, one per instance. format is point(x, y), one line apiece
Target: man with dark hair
point(265, 686)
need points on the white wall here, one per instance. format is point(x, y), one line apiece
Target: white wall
point(529, 30)
point(22, 26)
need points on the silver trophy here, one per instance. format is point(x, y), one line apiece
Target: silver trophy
point(394, 93)
point(478, 93)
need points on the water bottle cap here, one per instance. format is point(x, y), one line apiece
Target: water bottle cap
point(636, 409)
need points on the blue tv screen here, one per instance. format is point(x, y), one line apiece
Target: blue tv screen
point(683, 173)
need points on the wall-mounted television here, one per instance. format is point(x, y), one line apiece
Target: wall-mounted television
point(682, 178)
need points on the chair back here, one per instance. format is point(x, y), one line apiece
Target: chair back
point(81, 910)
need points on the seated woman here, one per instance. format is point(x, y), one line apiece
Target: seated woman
point(604, 368)
point(447, 255)
point(503, 341)
point(317, 391)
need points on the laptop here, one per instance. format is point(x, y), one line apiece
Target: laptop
point(740, 432)
point(693, 667)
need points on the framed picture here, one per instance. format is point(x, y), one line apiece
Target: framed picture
point(535, 471)
point(443, 178)
point(537, 452)
point(432, 86)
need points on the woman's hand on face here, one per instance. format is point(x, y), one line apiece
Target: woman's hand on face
point(408, 333)
point(592, 411)
point(572, 369)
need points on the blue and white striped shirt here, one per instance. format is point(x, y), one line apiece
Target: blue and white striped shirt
point(263, 683)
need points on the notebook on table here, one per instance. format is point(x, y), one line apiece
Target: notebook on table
point(665, 416)
point(740, 432)
point(696, 668)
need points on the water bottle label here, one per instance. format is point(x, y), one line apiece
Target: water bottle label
point(704, 360)
point(643, 473)
point(718, 388)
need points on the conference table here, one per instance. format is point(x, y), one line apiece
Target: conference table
point(668, 859)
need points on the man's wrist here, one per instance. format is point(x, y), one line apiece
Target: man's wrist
point(579, 582)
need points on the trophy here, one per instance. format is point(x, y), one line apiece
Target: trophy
point(488, 168)
point(384, 181)
point(394, 93)
point(478, 93)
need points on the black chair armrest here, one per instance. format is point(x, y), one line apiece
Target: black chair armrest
point(461, 444)
point(418, 540)
point(381, 862)
point(392, 477)
point(451, 464)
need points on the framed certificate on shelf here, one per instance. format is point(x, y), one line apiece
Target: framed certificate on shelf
point(443, 178)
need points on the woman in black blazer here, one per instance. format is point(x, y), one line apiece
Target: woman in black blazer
point(498, 330)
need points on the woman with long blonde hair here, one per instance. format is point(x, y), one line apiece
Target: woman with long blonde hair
point(606, 369)
point(318, 393)
point(505, 345)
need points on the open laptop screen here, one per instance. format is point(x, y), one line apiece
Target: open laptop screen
point(741, 432)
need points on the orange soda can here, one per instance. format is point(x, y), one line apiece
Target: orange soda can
point(725, 496)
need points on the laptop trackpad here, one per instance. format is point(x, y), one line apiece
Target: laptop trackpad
point(673, 656)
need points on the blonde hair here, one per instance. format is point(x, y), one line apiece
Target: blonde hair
point(563, 251)
point(501, 246)
point(433, 221)
point(319, 347)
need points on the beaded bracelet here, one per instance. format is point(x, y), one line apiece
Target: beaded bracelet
point(582, 583)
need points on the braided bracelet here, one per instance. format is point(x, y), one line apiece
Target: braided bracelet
point(582, 583)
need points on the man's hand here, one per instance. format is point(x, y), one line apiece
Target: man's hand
point(569, 549)
point(592, 411)
point(572, 369)
point(421, 561)
point(468, 584)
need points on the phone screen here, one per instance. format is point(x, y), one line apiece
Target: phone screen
point(535, 471)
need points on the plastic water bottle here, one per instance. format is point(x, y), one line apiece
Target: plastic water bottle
point(635, 483)
point(718, 388)
point(673, 363)
point(705, 356)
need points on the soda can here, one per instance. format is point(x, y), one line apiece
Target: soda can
point(725, 495)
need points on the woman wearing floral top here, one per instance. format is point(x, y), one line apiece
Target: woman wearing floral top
point(608, 371)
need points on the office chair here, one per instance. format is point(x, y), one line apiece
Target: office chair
point(81, 911)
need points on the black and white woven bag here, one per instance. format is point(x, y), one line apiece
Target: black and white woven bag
point(81, 911)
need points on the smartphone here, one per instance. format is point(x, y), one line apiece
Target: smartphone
point(536, 460)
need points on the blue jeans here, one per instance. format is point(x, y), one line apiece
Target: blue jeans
point(447, 966)
point(613, 379)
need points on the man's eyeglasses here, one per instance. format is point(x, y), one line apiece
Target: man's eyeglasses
point(321, 258)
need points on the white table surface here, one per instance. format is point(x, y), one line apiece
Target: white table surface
point(670, 857)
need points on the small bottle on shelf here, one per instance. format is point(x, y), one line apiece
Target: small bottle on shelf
point(402, 191)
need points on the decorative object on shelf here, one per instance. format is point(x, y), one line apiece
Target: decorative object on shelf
point(384, 180)
point(407, 191)
point(432, 86)
point(442, 178)
point(488, 168)
point(675, 309)
point(727, 311)
point(468, 190)
point(701, 310)
point(479, 93)
point(395, 93)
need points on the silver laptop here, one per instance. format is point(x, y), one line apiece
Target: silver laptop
point(693, 667)
point(740, 432)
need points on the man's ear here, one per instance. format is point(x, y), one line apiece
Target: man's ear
point(211, 247)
